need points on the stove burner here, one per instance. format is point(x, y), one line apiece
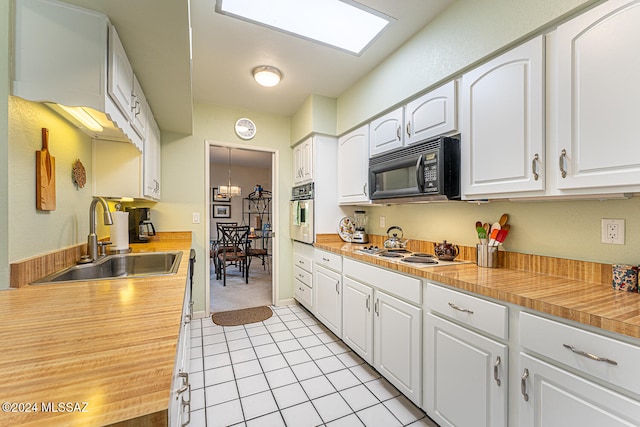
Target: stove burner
point(399, 251)
point(391, 255)
point(421, 255)
point(420, 259)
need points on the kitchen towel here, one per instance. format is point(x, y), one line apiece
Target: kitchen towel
point(120, 230)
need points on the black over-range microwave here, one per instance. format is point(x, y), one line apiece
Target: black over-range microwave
point(425, 171)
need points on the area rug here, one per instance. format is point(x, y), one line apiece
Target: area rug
point(241, 317)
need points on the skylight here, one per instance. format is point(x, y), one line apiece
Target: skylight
point(339, 23)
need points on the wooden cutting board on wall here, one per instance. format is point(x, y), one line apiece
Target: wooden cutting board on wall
point(45, 176)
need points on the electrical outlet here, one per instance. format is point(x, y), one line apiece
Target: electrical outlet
point(613, 231)
point(382, 222)
point(195, 217)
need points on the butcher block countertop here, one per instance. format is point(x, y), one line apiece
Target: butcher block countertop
point(594, 304)
point(92, 353)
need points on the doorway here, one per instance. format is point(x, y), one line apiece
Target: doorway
point(250, 201)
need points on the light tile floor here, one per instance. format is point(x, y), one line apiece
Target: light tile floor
point(288, 371)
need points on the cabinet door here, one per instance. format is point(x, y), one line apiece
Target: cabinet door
point(120, 76)
point(598, 89)
point(327, 286)
point(59, 53)
point(503, 123)
point(297, 164)
point(139, 110)
point(463, 366)
point(386, 132)
point(353, 166)
point(397, 342)
point(432, 114)
point(307, 160)
point(553, 397)
point(357, 306)
point(151, 156)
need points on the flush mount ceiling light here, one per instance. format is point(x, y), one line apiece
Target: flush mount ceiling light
point(267, 76)
point(344, 24)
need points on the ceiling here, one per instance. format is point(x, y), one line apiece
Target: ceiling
point(225, 50)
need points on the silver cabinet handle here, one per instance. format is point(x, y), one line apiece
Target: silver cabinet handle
point(409, 128)
point(563, 156)
point(495, 370)
point(398, 132)
point(368, 302)
point(338, 287)
point(325, 259)
point(523, 385)
point(464, 310)
point(364, 189)
point(187, 318)
point(301, 276)
point(589, 355)
point(375, 308)
point(534, 168)
point(185, 384)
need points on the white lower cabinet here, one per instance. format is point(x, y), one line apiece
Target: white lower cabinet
point(357, 329)
point(397, 329)
point(327, 287)
point(383, 329)
point(464, 360)
point(585, 379)
point(553, 397)
point(464, 366)
point(180, 396)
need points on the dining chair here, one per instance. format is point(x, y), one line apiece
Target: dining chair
point(233, 243)
point(217, 248)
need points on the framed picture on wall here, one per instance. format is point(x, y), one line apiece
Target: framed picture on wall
point(221, 211)
point(217, 197)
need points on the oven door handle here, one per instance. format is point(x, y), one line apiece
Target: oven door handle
point(420, 173)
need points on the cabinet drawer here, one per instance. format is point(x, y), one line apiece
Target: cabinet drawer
point(303, 262)
point(303, 276)
point(405, 287)
point(329, 260)
point(303, 294)
point(554, 340)
point(484, 315)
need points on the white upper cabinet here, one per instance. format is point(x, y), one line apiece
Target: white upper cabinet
point(503, 127)
point(152, 160)
point(303, 162)
point(353, 167)
point(386, 132)
point(598, 130)
point(431, 115)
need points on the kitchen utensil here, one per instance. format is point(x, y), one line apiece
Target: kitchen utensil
point(45, 176)
point(482, 233)
point(503, 219)
point(502, 234)
point(446, 251)
point(492, 238)
point(486, 227)
point(495, 226)
point(394, 241)
point(478, 224)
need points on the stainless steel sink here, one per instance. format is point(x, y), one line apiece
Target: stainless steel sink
point(119, 266)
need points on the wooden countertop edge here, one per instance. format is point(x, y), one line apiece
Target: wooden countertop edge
point(49, 363)
point(593, 304)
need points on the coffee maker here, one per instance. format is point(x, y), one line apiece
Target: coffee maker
point(140, 225)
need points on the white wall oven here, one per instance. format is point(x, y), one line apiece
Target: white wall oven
point(301, 213)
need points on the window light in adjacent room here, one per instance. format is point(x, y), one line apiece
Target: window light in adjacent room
point(344, 24)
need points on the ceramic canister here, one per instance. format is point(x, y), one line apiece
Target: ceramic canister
point(625, 277)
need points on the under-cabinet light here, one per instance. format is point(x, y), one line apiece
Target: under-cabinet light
point(81, 115)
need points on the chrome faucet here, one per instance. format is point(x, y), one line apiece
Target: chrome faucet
point(92, 243)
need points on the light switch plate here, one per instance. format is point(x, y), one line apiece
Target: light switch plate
point(195, 217)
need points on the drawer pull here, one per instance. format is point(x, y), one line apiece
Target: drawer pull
point(375, 308)
point(464, 310)
point(523, 385)
point(495, 370)
point(185, 385)
point(338, 287)
point(534, 168)
point(368, 302)
point(589, 355)
point(325, 259)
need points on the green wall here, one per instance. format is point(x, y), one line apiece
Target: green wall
point(185, 188)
